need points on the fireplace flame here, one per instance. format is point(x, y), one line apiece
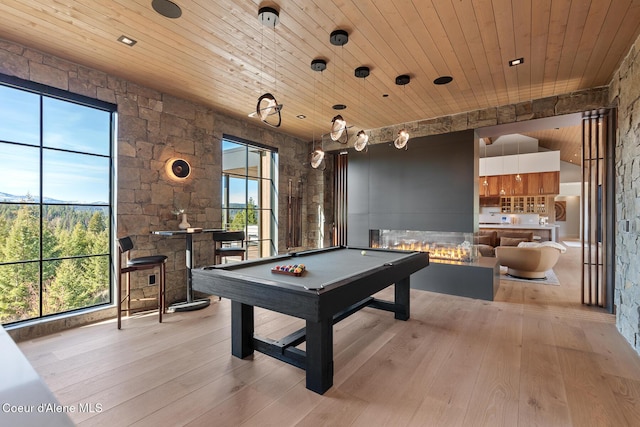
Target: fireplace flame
point(436, 251)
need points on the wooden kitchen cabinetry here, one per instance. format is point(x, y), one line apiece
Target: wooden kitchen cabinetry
point(525, 204)
point(492, 188)
point(525, 196)
point(543, 183)
point(513, 187)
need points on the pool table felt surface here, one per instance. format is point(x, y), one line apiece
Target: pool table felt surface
point(323, 268)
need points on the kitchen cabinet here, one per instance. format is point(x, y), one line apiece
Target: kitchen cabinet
point(530, 184)
point(543, 183)
point(513, 187)
point(525, 204)
point(492, 188)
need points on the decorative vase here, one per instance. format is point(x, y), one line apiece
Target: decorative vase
point(184, 224)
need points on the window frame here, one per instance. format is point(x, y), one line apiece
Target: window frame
point(44, 91)
point(271, 180)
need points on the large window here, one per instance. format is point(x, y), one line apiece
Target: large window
point(249, 195)
point(55, 201)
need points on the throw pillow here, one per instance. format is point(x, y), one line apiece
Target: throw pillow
point(483, 240)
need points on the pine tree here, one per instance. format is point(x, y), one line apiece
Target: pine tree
point(19, 292)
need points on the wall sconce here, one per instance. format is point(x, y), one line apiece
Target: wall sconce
point(178, 169)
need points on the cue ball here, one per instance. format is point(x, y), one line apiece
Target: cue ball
point(363, 253)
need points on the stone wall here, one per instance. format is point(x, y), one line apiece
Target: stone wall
point(625, 91)
point(154, 127)
point(559, 105)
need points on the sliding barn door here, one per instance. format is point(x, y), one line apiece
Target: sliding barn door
point(598, 208)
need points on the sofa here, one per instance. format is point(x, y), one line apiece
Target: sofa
point(488, 240)
point(529, 260)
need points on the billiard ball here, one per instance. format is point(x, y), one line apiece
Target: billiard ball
point(363, 253)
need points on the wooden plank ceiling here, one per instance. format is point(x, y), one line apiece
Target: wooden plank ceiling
point(219, 54)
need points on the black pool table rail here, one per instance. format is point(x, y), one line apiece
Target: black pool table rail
point(298, 257)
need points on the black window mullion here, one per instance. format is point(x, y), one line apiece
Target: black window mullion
point(41, 212)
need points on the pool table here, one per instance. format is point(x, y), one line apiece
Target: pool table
point(337, 282)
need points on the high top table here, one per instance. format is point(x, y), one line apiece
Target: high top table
point(190, 304)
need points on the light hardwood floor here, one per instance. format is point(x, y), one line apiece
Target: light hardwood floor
point(533, 357)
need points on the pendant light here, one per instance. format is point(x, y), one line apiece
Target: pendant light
point(338, 123)
point(403, 136)
point(267, 107)
point(362, 139)
point(317, 156)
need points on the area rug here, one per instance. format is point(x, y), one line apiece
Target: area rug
point(572, 244)
point(551, 278)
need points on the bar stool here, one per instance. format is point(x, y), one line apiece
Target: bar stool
point(125, 245)
point(225, 249)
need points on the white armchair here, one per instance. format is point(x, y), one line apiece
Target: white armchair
point(529, 260)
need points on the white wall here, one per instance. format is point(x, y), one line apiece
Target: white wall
point(547, 161)
point(570, 229)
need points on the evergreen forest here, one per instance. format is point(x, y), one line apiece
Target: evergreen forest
point(53, 259)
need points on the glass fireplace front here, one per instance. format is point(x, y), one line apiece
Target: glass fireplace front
point(441, 245)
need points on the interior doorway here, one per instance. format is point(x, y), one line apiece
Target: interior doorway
point(582, 218)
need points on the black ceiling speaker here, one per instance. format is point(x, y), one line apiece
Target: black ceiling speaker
point(167, 8)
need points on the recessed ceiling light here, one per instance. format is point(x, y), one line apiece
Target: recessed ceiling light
point(167, 8)
point(301, 116)
point(515, 62)
point(443, 80)
point(339, 107)
point(127, 40)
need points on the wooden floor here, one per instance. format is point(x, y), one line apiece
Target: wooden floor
point(533, 357)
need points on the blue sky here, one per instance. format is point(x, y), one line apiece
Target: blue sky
point(66, 126)
point(240, 190)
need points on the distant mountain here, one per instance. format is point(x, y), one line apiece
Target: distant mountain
point(5, 197)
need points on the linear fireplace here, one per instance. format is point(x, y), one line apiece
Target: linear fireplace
point(456, 268)
point(441, 245)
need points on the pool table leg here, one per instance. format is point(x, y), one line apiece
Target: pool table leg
point(319, 355)
point(241, 329)
point(403, 309)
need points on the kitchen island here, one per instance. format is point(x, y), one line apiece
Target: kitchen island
point(546, 232)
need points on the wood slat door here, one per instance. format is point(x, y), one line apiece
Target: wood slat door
point(597, 201)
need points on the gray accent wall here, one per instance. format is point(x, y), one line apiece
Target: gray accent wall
point(431, 186)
